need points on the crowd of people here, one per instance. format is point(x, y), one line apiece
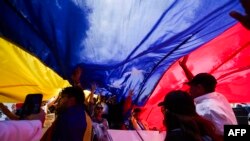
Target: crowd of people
point(197, 115)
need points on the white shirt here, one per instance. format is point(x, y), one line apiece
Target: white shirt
point(216, 108)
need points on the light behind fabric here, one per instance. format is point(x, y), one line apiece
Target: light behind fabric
point(22, 73)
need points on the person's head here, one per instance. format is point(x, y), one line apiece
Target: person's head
point(98, 110)
point(71, 96)
point(179, 112)
point(178, 102)
point(201, 84)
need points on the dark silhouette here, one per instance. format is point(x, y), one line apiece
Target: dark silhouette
point(182, 121)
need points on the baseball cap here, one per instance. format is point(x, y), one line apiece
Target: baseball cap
point(179, 102)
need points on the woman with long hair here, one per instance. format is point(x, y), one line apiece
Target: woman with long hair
point(182, 121)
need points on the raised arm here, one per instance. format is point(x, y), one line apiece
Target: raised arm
point(187, 72)
point(91, 95)
point(76, 77)
point(8, 113)
point(243, 19)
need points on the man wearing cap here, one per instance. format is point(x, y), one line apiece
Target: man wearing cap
point(209, 104)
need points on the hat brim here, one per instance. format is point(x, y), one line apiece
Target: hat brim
point(161, 104)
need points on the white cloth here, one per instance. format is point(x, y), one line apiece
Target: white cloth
point(216, 108)
point(133, 135)
point(20, 130)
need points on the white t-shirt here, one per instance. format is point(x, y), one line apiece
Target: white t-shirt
point(216, 108)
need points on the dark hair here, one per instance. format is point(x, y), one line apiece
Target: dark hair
point(179, 102)
point(180, 113)
point(75, 92)
point(207, 81)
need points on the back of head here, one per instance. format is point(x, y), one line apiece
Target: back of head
point(75, 92)
point(179, 102)
point(207, 81)
point(181, 113)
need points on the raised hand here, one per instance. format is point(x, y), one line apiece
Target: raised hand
point(243, 19)
point(76, 76)
point(183, 65)
point(183, 61)
point(93, 87)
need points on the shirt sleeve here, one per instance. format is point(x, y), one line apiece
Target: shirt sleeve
point(219, 120)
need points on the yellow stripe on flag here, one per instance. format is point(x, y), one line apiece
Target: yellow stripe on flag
point(22, 73)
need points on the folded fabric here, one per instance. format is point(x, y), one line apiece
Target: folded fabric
point(20, 130)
